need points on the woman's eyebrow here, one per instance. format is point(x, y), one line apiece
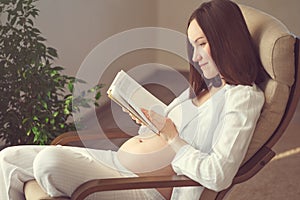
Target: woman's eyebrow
point(196, 40)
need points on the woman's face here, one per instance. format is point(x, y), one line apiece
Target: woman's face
point(201, 52)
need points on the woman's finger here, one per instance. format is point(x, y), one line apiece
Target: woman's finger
point(157, 119)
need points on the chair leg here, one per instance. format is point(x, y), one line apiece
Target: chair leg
point(221, 195)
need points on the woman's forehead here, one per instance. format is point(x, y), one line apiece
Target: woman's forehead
point(194, 31)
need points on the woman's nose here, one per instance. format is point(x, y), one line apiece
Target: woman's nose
point(196, 56)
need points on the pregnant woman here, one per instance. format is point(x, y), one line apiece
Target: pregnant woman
point(205, 134)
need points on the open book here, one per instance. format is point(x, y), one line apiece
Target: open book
point(130, 95)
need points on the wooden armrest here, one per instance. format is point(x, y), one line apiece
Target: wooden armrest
point(99, 185)
point(73, 136)
point(249, 169)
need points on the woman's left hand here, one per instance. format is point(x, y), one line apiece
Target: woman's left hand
point(165, 125)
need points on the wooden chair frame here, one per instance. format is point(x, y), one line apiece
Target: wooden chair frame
point(246, 171)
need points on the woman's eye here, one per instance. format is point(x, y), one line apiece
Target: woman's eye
point(200, 44)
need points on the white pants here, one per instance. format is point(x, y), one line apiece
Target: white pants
point(59, 170)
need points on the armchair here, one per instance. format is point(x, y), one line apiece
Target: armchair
point(279, 53)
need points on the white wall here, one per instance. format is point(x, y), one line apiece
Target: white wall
point(75, 27)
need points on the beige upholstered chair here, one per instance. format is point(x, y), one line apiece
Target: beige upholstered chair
point(279, 53)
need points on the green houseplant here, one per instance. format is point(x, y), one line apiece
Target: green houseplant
point(36, 98)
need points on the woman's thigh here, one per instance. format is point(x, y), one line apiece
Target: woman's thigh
point(60, 170)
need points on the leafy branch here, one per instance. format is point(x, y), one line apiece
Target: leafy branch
point(36, 98)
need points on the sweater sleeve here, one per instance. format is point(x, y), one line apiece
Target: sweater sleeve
point(216, 170)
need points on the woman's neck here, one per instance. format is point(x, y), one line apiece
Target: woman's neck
point(212, 90)
point(205, 95)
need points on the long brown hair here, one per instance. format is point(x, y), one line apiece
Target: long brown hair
point(230, 42)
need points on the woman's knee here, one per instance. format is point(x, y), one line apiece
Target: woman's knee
point(48, 161)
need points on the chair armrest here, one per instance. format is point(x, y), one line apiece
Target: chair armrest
point(249, 169)
point(73, 136)
point(254, 165)
point(99, 185)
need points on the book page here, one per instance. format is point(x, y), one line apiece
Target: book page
point(129, 94)
point(112, 94)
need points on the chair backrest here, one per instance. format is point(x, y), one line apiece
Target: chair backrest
point(276, 47)
point(279, 53)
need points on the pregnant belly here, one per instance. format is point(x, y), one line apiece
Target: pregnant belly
point(147, 154)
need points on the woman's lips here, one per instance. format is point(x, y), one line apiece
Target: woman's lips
point(203, 64)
